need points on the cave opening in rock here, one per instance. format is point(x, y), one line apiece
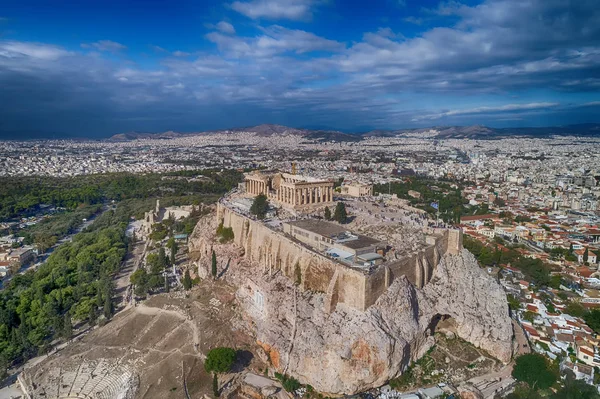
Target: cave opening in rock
point(442, 323)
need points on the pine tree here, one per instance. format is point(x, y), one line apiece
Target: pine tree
point(585, 255)
point(99, 295)
point(214, 264)
point(215, 386)
point(340, 215)
point(167, 286)
point(187, 281)
point(162, 258)
point(3, 367)
point(327, 213)
point(109, 308)
point(92, 316)
point(67, 331)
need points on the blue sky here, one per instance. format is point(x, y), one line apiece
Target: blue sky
point(96, 68)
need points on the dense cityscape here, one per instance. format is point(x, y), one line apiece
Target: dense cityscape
point(527, 207)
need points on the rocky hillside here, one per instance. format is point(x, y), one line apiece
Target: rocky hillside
point(348, 351)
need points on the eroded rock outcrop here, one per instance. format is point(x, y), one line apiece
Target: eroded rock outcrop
point(348, 350)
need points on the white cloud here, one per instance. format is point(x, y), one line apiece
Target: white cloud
point(179, 53)
point(275, 9)
point(40, 51)
point(226, 27)
point(105, 45)
point(274, 40)
point(487, 110)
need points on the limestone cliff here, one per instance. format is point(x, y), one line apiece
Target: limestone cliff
point(349, 350)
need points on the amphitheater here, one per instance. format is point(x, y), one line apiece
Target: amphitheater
point(101, 379)
point(154, 350)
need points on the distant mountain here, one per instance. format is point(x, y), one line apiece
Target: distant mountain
point(438, 132)
point(139, 135)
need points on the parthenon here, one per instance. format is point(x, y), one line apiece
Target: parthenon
point(290, 190)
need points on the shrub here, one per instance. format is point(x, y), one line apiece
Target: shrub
point(290, 384)
point(219, 360)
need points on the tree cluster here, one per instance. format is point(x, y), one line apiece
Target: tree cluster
point(75, 283)
point(448, 195)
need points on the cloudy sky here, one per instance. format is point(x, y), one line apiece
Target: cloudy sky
point(95, 68)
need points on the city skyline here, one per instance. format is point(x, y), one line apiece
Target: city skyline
point(91, 70)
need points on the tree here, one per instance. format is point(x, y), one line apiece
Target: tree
point(327, 213)
point(260, 206)
point(215, 385)
point(109, 308)
point(140, 278)
point(92, 315)
point(533, 369)
point(592, 319)
point(585, 255)
point(167, 285)
point(297, 274)
point(575, 389)
point(172, 245)
point(340, 215)
point(67, 330)
point(187, 281)
point(219, 360)
point(513, 303)
point(213, 268)
point(575, 309)
point(3, 367)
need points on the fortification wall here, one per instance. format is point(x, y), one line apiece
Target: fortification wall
point(274, 251)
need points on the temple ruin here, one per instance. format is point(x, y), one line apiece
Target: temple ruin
point(292, 191)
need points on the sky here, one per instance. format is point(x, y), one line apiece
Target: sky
point(96, 68)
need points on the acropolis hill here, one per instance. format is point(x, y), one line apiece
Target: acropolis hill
point(347, 307)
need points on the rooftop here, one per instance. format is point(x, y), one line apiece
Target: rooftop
point(336, 232)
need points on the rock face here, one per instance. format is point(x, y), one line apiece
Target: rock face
point(348, 350)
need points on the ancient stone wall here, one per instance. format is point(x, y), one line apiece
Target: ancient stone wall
point(274, 251)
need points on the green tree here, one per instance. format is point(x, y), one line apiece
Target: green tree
point(215, 386)
point(219, 360)
point(93, 315)
point(213, 268)
point(3, 367)
point(575, 309)
point(259, 207)
point(187, 281)
point(592, 318)
point(67, 327)
point(513, 303)
point(340, 215)
point(327, 213)
point(585, 255)
point(172, 245)
point(534, 370)
point(140, 278)
point(575, 389)
point(167, 285)
point(297, 274)
point(109, 308)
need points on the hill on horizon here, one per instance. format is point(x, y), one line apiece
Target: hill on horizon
point(456, 132)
